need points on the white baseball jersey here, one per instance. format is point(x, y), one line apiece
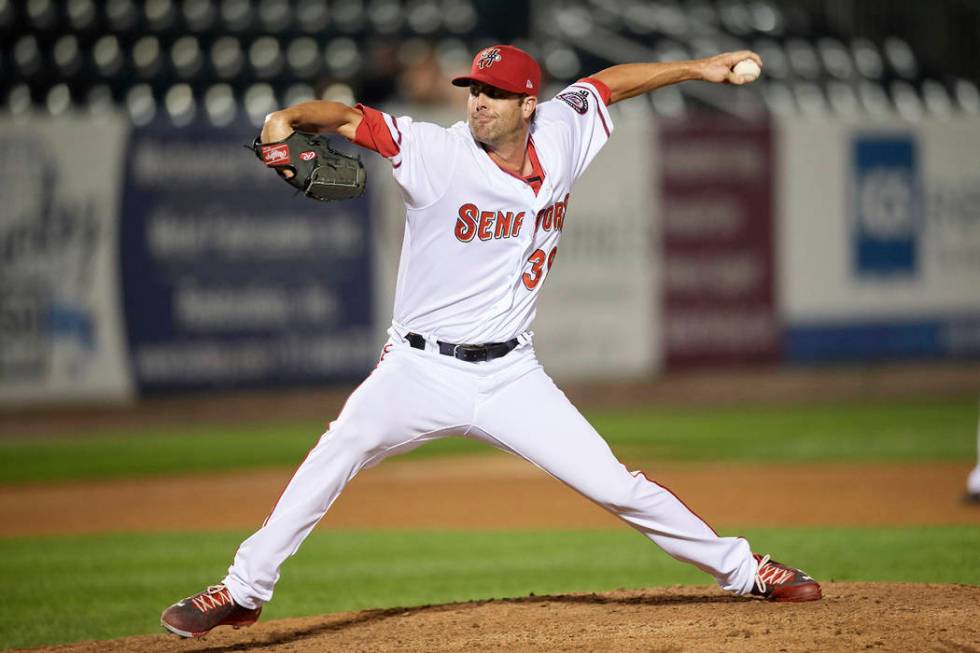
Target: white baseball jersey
point(479, 240)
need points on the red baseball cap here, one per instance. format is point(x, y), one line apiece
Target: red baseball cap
point(505, 67)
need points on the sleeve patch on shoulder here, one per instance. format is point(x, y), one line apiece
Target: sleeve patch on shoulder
point(578, 100)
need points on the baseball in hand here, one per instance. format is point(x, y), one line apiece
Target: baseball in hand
point(748, 70)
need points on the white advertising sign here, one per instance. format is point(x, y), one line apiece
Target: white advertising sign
point(61, 337)
point(597, 315)
point(879, 220)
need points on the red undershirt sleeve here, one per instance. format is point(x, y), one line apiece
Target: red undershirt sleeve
point(600, 86)
point(374, 134)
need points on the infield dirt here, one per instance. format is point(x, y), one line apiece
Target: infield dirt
point(498, 491)
point(851, 617)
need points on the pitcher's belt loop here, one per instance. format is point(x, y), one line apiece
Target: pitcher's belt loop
point(469, 353)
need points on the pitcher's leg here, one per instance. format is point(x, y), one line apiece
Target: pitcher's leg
point(337, 457)
point(973, 480)
point(532, 418)
point(399, 407)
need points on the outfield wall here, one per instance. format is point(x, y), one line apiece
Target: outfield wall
point(172, 262)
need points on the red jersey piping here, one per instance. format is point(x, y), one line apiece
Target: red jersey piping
point(536, 178)
point(600, 86)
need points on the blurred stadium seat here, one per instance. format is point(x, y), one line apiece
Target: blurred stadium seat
point(198, 15)
point(227, 58)
point(99, 101)
point(968, 96)
point(141, 106)
point(265, 57)
point(185, 55)
point(81, 14)
point(843, 100)
point(66, 56)
point(180, 104)
point(54, 55)
point(260, 100)
point(121, 15)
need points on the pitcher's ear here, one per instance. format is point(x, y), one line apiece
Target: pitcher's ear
point(528, 106)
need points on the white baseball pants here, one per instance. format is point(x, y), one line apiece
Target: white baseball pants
point(416, 396)
point(973, 480)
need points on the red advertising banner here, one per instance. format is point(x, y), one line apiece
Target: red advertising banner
point(718, 289)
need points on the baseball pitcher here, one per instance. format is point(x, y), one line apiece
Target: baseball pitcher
point(486, 201)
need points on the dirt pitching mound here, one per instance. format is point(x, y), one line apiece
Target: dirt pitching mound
point(851, 617)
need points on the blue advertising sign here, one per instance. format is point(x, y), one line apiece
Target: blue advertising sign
point(885, 339)
point(887, 206)
point(229, 280)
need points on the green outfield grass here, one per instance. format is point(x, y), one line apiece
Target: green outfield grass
point(899, 430)
point(95, 587)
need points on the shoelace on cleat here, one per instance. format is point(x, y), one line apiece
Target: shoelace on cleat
point(214, 597)
point(774, 576)
point(760, 582)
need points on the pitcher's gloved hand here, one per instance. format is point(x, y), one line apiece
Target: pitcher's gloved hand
point(309, 164)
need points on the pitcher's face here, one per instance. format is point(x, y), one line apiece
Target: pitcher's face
point(495, 115)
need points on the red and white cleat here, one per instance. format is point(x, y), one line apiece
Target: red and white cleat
point(777, 582)
point(197, 615)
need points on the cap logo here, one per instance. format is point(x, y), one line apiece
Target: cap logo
point(529, 84)
point(488, 57)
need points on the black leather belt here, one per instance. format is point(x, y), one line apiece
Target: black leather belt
point(469, 353)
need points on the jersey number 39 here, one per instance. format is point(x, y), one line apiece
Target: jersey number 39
point(537, 260)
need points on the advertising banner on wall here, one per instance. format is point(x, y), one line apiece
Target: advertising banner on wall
point(880, 245)
point(229, 280)
point(60, 320)
point(716, 240)
point(886, 205)
point(597, 300)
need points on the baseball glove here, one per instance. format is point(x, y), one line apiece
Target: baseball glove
point(318, 170)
